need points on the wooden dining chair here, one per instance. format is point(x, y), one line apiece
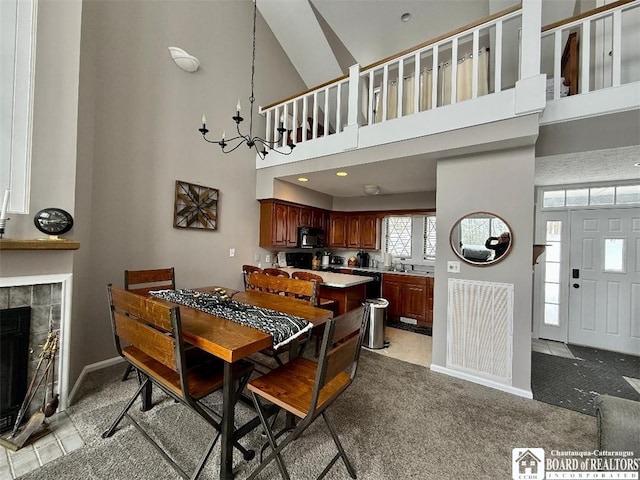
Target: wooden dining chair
point(247, 270)
point(302, 290)
point(144, 281)
point(275, 272)
point(306, 389)
point(326, 303)
point(152, 332)
point(289, 287)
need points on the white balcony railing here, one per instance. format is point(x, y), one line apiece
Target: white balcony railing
point(592, 52)
point(597, 50)
point(325, 109)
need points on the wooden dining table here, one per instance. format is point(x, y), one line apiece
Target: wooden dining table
point(232, 342)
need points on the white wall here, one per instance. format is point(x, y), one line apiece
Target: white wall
point(500, 182)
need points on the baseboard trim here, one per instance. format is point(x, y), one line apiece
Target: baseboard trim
point(92, 368)
point(482, 381)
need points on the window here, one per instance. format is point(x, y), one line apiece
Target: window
point(17, 52)
point(553, 240)
point(429, 238)
point(398, 236)
point(594, 196)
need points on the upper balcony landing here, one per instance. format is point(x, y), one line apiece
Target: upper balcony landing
point(400, 98)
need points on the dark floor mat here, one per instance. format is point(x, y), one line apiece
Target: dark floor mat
point(411, 328)
point(575, 383)
point(627, 365)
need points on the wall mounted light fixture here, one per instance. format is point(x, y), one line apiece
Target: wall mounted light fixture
point(186, 62)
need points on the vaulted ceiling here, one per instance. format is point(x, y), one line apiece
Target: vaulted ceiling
point(323, 38)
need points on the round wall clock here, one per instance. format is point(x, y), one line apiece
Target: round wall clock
point(53, 221)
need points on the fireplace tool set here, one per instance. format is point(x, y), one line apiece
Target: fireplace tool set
point(36, 427)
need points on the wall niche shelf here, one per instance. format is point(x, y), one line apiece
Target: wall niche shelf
point(38, 244)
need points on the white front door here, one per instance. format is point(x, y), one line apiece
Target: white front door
point(604, 279)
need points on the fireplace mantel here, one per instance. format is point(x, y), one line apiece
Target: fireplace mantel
point(38, 244)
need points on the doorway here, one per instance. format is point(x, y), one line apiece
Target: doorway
point(587, 285)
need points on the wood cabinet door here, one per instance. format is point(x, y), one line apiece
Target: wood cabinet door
point(414, 300)
point(305, 217)
point(368, 231)
point(392, 291)
point(279, 227)
point(319, 219)
point(353, 231)
point(429, 305)
point(337, 230)
point(293, 221)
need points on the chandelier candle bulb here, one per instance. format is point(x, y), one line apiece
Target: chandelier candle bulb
point(204, 120)
point(238, 106)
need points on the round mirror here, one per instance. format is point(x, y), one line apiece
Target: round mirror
point(481, 238)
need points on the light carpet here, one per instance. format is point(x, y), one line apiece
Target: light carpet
point(396, 421)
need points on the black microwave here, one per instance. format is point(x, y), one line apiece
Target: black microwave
point(310, 237)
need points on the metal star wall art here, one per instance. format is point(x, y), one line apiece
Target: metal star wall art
point(196, 206)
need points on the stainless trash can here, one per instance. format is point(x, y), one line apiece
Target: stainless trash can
point(374, 336)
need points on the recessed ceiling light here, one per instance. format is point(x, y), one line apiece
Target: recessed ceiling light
point(405, 17)
point(303, 179)
point(342, 174)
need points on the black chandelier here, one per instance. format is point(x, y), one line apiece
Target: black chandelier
point(261, 145)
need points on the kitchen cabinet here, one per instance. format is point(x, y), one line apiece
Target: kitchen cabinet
point(279, 222)
point(409, 296)
point(353, 231)
point(306, 217)
point(359, 231)
point(319, 219)
point(368, 227)
point(337, 229)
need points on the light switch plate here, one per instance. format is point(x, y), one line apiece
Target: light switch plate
point(453, 266)
point(256, 257)
point(232, 252)
point(267, 258)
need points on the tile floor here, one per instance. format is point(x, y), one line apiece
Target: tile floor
point(64, 438)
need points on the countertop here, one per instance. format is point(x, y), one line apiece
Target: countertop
point(416, 273)
point(336, 280)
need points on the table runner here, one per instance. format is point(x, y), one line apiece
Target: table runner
point(283, 327)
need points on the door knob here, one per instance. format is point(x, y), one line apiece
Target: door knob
point(576, 285)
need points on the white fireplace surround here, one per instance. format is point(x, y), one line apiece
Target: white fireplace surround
point(65, 322)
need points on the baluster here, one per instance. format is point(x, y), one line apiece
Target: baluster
point(400, 93)
point(617, 49)
point(454, 70)
point(474, 68)
point(585, 47)
point(416, 83)
point(339, 107)
point(305, 115)
point(498, 59)
point(385, 91)
point(326, 111)
point(371, 118)
point(557, 63)
point(434, 78)
point(314, 127)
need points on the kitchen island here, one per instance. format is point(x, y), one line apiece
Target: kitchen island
point(347, 290)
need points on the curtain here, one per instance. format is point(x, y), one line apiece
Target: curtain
point(463, 82)
point(463, 86)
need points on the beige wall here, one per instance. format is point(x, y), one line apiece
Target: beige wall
point(106, 86)
point(140, 116)
point(500, 182)
point(400, 201)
